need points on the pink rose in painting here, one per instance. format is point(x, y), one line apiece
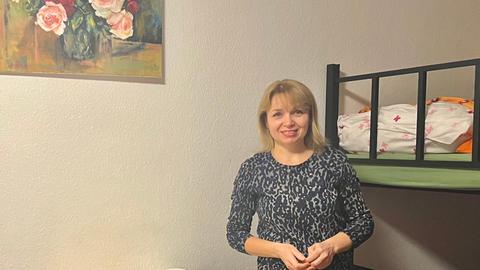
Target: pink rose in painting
point(69, 6)
point(104, 8)
point(121, 24)
point(51, 17)
point(132, 6)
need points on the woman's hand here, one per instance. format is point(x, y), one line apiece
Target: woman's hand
point(291, 257)
point(320, 255)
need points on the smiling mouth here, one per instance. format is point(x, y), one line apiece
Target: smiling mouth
point(290, 133)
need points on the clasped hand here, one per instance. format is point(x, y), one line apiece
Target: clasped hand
point(320, 255)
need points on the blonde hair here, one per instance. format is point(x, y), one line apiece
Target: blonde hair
point(299, 95)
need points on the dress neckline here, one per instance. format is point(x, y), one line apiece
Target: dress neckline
point(305, 162)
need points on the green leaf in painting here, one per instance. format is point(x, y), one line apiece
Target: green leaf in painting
point(103, 28)
point(76, 21)
point(85, 7)
point(83, 42)
point(79, 3)
point(91, 24)
point(32, 6)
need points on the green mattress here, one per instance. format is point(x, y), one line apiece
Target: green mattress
point(416, 177)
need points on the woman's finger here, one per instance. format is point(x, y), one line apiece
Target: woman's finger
point(322, 261)
point(295, 265)
point(318, 261)
point(298, 255)
point(313, 253)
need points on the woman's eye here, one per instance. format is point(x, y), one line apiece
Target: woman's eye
point(277, 114)
point(298, 112)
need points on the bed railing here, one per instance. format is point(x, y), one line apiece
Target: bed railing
point(332, 110)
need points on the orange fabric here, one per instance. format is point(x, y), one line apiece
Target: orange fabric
point(465, 147)
point(364, 109)
point(465, 102)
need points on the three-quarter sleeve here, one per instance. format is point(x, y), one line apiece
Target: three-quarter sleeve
point(244, 203)
point(358, 219)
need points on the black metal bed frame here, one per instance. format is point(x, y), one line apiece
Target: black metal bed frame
point(332, 105)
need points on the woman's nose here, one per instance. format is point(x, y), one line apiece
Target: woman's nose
point(288, 120)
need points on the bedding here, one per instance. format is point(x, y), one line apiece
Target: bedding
point(447, 126)
point(465, 147)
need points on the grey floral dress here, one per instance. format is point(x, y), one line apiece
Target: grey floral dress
point(301, 205)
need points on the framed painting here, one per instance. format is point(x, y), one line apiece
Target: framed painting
point(95, 39)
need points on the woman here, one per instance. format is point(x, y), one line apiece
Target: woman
point(306, 195)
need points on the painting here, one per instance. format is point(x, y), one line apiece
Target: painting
point(95, 39)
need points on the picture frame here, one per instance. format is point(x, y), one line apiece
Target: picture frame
point(116, 40)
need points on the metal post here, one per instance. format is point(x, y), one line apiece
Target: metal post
point(476, 117)
point(374, 118)
point(421, 98)
point(332, 97)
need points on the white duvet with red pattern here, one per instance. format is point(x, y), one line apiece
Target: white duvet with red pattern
point(447, 126)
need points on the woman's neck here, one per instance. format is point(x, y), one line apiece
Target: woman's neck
point(291, 156)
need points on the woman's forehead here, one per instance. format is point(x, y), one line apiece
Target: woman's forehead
point(286, 100)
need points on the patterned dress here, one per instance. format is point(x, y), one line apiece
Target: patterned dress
point(301, 205)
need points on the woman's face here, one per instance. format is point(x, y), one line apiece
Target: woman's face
point(287, 123)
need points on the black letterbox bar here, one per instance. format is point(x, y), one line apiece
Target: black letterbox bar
point(421, 98)
point(374, 118)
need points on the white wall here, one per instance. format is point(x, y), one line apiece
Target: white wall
point(109, 175)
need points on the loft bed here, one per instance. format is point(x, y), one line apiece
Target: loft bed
point(452, 172)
